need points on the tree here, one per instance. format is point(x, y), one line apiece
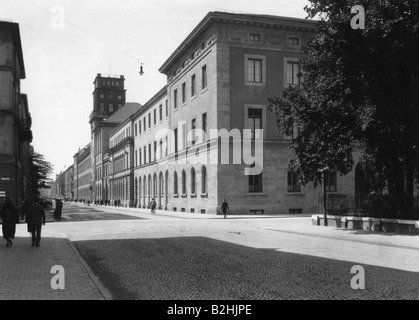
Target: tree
point(360, 85)
point(41, 169)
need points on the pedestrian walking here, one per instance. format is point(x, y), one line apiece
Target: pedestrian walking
point(35, 220)
point(25, 206)
point(224, 208)
point(153, 205)
point(10, 218)
point(58, 210)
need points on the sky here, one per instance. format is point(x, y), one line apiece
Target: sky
point(66, 43)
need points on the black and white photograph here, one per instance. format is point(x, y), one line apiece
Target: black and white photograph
point(209, 159)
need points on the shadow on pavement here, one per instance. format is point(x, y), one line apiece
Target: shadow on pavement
point(199, 268)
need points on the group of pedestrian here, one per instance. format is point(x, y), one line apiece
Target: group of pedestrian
point(35, 218)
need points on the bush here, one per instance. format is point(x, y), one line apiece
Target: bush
point(381, 206)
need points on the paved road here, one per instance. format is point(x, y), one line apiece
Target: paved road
point(177, 255)
point(164, 257)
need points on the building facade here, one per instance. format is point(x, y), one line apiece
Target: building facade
point(82, 175)
point(15, 119)
point(207, 135)
point(221, 141)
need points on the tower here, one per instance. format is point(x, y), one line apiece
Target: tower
point(108, 97)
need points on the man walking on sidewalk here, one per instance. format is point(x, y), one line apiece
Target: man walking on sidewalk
point(224, 208)
point(153, 205)
point(35, 220)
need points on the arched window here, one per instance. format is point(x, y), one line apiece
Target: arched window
point(183, 182)
point(175, 191)
point(193, 189)
point(203, 180)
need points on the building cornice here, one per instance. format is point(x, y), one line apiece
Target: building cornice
point(267, 21)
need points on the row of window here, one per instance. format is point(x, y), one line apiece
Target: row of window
point(193, 92)
point(111, 108)
point(256, 71)
point(141, 125)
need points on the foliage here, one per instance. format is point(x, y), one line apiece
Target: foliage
point(359, 86)
point(40, 170)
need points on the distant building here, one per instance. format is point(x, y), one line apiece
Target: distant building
point(82, 174)
point(15, 119)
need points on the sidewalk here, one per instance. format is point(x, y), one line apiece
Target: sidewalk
point(25, 271)
point(187, 215)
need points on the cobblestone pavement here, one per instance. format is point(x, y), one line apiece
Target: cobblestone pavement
point(191, 256)
point(196, 268)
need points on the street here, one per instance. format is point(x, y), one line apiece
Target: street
point(183, 256)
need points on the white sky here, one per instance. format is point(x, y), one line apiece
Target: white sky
point(61, 64)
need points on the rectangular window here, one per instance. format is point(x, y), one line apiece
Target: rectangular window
point(293, 73)
point(111, 107)
point(293, 41)
point(145, 123)
point(155, 150)
point(155, 116)
point(135, 130)
point(161, 112)
point(175, 99)
point(193, 84)
point(149, 120)
point(167, 108)
point(139, 127)
point(293, 185)
point(145, 154)
point(193, 127)
point(141, 160)
point(204, 77)
point(254, 121)
point(331, 181)
point(204, 126)
point(149, 153)
point(255, 183)
point(136, 158)
point(175, 133)
point(184, 142)
point(101, 106)
point(254, 37)
point(254, 70)
point(184, 92)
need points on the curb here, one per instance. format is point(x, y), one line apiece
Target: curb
point(101, 288)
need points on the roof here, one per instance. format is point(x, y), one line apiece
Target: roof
point(242, 18)
point(17, 43)
point(123, 113)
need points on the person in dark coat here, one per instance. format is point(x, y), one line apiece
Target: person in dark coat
point(153, 205)
point(224, 208)
point(10, 218)
point(35, 220)
point(58, 210)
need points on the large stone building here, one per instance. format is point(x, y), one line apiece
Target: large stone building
point(207, 134)
point(82, 174)
point(15, 119)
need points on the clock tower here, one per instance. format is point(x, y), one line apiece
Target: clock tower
point(108, 97)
